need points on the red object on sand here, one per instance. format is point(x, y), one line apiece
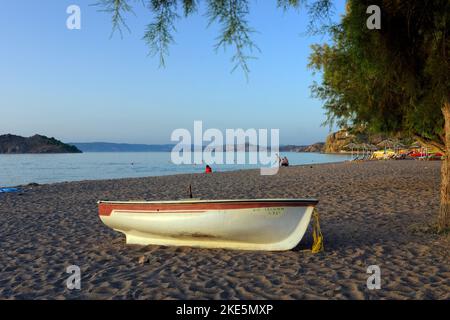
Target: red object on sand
point(208, 169)
point(423, 154)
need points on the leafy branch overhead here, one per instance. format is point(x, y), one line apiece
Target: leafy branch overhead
point(230, 15)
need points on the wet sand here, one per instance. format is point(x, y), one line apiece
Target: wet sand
point(371, 214)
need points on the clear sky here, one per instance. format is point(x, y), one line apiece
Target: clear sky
point(83, 86)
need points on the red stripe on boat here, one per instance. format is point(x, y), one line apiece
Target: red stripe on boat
point(105, 209)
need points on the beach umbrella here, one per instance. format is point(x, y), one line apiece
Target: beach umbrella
point(351, 146)
point(365, 147)
point(356, 146)
point(387, 143)
point(397, 142)
point(397, 145)
point(372, 147)
point(368, 148)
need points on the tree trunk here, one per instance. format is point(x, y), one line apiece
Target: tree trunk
point(444, 212)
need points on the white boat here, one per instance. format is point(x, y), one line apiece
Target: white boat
point(257, 224)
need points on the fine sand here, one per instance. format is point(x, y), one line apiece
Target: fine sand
point(372, 213)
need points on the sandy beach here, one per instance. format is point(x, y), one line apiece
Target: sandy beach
point(371, 213)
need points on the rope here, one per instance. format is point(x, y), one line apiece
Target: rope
point(317, 234)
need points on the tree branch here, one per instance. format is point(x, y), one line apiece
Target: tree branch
point(430, 143)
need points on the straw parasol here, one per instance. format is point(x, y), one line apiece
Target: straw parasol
point(371, 147)
point(387, 143)
point(353, 146)
point(398, 146)
point(368, 149)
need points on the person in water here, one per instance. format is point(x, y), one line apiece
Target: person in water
point(208, 169)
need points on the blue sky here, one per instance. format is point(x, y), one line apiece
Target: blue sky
point(82, 85)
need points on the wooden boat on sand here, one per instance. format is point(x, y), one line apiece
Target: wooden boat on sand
point(257, 224)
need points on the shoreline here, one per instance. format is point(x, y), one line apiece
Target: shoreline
point(34, 184)
point(372, 213)
point(162, 175)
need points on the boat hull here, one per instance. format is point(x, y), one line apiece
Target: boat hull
point(245, 226)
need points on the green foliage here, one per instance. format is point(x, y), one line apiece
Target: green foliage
point(286, 4)
point(158, 35)
point(391, 80)
point(235, 30)
point(189, 7)
point(117, 9)
point(230, 15)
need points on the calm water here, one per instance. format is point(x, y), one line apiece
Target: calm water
point(47, 168)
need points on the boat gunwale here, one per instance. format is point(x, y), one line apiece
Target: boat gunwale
point(310, 201)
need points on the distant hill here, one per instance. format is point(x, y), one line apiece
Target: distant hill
point(10, 143)
point(121, 147)
point(128, 147)
point(316, 147)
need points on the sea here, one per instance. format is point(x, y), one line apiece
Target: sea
point(22, 169)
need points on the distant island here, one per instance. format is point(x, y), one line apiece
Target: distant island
point(10, 143)
point(127, 147)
